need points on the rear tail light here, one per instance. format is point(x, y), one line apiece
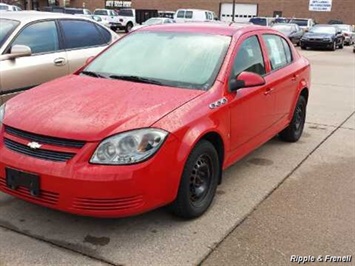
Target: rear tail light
point(346, 34)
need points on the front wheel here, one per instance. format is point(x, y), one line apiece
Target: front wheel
point(198, 182)
point(129, 27)
point(334, 46)
point(293, 132)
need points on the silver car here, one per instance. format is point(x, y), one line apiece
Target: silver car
point(36, 47)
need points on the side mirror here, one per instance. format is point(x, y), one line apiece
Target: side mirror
point(246, 80)
point(17, 51)
point(20, 50)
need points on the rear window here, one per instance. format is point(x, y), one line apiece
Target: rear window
point(300, 22)
point(125, 13)
point(259, 21)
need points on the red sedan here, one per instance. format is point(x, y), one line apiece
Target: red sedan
point(153, 120)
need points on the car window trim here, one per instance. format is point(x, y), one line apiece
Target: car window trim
point(7, 50)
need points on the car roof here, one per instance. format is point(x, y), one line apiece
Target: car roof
point(207, 27)
point(27, 16)
point(285, 24)
point(325, 25)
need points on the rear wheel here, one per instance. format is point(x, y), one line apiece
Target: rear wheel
point(198, 182)
point(341, 45)
point(293, 132)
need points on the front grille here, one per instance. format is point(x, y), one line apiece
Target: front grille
point(108, 204)
point(39, 153)
point(44, 139)
point(45, 197)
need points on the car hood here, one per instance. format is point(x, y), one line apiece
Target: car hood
point(90, 109)
point(318, 35)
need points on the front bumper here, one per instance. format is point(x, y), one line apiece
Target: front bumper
point(85, 189)
point(317, 44)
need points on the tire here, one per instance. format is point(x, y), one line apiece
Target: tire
point(341, 45)
point(198, 183)
point(114, 29)
point(303, 47)
point(334, 46)
point(129, 27)
point(293, 132)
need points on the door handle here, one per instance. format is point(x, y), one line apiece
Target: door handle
point(268, 91)
point(60, 61)
point(294, 78)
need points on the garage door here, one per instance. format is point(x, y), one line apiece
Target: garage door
point(243, 12)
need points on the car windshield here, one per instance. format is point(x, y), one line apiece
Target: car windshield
point(258, 21)
point(185, 60)
point(286, 29)
point(300, 22)
point(153, 21)
point(330, 30)
point(7, 27)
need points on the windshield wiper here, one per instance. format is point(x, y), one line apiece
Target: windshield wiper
point(136, 79)
point(92, 74)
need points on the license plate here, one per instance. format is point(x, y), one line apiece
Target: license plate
point(16, 179)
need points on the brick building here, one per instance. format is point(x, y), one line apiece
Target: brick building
point(341, 9)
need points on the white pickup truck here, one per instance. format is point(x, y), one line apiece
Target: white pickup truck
point(110, 16)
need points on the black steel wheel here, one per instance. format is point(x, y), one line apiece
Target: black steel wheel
point(294, 131)
point(198, 182)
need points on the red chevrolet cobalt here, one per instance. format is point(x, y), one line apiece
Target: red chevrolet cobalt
point(153, 120)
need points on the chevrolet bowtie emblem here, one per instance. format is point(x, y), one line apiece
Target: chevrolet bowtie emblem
point(34, 145)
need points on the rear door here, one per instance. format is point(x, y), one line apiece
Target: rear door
point(282, 79)
point(83, 39)
point(48, 60)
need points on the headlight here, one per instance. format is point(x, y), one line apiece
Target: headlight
point(2, 113)
point(129, 147)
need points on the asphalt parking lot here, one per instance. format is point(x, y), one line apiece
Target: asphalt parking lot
point(281, 200)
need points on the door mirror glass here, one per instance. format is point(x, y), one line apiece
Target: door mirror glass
point(246, 80)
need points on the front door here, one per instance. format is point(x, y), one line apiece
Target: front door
point(252, 108)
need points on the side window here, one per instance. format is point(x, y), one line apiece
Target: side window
point(188, 14)
point(276, 51)
point(209, 16)
point(41, 37)
point(249, 58)
point(105, 34)
point(287, 51)
point(80, 34)
point(181, 14)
